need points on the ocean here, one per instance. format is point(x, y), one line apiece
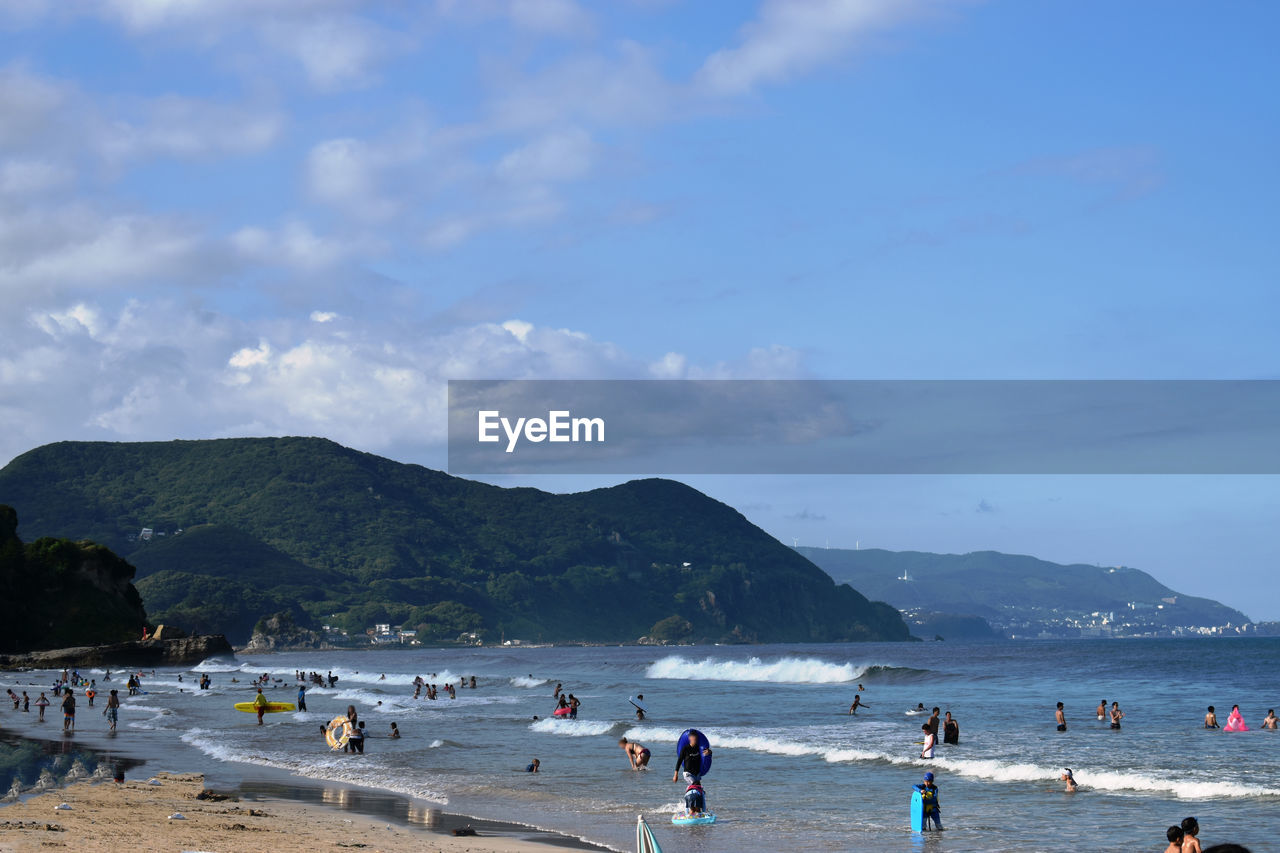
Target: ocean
point(792, 769)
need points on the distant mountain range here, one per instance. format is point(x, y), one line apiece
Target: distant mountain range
point(1021, 595)
point(226, 532)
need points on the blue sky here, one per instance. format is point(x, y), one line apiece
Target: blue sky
point(225, 217)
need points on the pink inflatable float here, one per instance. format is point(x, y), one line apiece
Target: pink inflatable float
point(1235, 722)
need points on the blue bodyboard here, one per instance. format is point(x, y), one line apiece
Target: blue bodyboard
point(684, 819)
point(917, 812)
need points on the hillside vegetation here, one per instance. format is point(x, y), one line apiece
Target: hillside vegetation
point(58, 593)
point(335, 536)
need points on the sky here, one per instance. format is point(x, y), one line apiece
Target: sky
point(302, 217)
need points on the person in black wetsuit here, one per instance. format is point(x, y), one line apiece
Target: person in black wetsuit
point(690, 759)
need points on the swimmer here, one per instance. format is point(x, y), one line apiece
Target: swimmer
point(857, 703)
point(930, 740)
point(1190, 831)
point(1061, 718)
point(1102, 710)
point(950, 730)
point(637, 753)
point(1068, 777)
point(1211, 719)
point(1175, 836)
point(395, 731)
point(1116, 715)
point(533, 768)
point(1268, 723)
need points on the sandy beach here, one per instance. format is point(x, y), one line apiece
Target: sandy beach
point(106, 816)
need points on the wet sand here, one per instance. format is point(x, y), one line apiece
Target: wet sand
point(106, 816)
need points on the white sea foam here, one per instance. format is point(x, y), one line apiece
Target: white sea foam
point(995, 770)
point(572, 728)
point(331, 766)
point(528, 681)
point(786, 670)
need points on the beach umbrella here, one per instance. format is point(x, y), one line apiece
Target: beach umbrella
point(645, 842)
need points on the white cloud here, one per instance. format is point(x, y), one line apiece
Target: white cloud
point(55, 250)
point(22, 177)
point(30, 105)
point(296, 246)
point(347, 173)
point(558, 156)
point(545, 17)
point(167, 369)
point(323, 316)
point(171, 126)
point(336, 52)
point(791, 37)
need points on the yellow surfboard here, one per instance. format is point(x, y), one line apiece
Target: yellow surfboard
point(272, 707)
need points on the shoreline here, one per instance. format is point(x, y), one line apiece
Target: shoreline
point(106, 816)
point(274, 789)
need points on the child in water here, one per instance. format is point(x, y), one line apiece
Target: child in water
point(695, 799)
point(932, 808)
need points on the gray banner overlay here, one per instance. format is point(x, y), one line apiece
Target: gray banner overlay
point(669, 427)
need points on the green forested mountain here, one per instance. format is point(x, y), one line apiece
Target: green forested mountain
point(56, 593)
point(1016, 590)
point(240, 528)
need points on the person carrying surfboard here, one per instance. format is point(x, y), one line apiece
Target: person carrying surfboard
point(260, 705)
point(932, 808)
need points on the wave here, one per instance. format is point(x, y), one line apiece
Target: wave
point(574, 728)
point(994, 770)
point(333, 767)
point(528, 681)
point(786, 670)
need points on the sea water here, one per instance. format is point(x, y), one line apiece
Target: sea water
point(792, 769)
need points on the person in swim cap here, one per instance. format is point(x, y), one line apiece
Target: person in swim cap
point(1070, 779)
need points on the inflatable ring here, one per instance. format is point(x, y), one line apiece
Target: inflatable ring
point(703, 740)
point(338, 732)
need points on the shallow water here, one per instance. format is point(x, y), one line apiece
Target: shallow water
point(792, 769)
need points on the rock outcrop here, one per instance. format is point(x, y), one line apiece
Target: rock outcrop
point(141, 653)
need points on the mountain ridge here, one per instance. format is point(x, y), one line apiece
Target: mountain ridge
point(388, 542)
point(1016, 590)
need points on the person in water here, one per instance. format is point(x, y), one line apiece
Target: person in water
point(1070, 778)
point(1211, 719)
point(1102, 710)
point(857, 703)
point(950, 730)
point(1175, 836)
point(930, 741)
point(260, 705)
point(533, 768)
point(695, 799)
point(690, 758)
point(638, 754)
point(1269, 723)
point(934, 723)
point(395, 731)
point(1116, 715)
point(639, 711)
point(1190, 835)
point(1061, 717)
point(932, 808)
